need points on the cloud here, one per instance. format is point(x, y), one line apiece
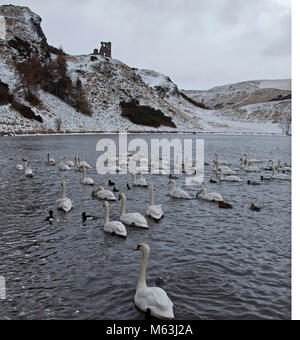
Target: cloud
point(198, 43)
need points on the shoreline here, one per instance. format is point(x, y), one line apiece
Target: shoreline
point(133, 132)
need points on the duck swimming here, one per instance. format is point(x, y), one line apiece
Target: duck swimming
point(50, 218)
point(86, 217)
point(254, 208)
point(224, 205)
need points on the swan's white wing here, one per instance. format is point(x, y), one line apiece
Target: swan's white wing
point(216, 196)
point(134, 219)
point(155, 299)
point(155, 211)
point(65, 204)
point(116, 227)
point(179, 193)
point(87, 181)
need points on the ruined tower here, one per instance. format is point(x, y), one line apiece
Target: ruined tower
point(105, 50)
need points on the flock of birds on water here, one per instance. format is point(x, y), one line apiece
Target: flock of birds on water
point(154, 300)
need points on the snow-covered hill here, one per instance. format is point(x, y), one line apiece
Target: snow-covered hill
point(106, 83)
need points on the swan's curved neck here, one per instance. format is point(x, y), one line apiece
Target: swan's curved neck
point(123, 208)
point(151, 196)
point(63, 194)
point(106, 220)
point(84, 172)
point(134, 176)
point(48, 157)
point(142, 275)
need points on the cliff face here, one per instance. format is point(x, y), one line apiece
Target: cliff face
point(44, 90)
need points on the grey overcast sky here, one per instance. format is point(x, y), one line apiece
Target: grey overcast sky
point(199, 44)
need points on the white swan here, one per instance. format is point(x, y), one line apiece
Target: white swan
point(178, 192)
point(251, 160)
point(225, 169)
point(63, 166)
point(230, 178)
point(131, 219)
point(154, 211)
point(104, 194)
point(83, 164)
point(50, 161)
point(222, 162)
point(86, 180)
point(19, 166)
point(280, 176)
point(69, 163)
point(141, 182)
point(152, 300)
point(28, 171)
point(64, 203)
point(212, 196)
point(113, 227)
point(283, 168)
point(251, 168)
point(196, 180)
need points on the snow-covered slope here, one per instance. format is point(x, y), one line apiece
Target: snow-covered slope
point(240, 108)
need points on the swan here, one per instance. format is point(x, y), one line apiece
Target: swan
point(283, 168)
point(86, 180)
point(220, 162)
point(226, 170)
point(28, 171)
point(113, 227)
point(230, 178)
point(197, 180)
point(104, 194)
point(178, 192)
point(280, 176)
point(83, 164)
point(64, 203)
point(251, 168)
point(270, 166)
point(50, 161)
point(152, 300)
point(19, 166)
point(131, 219)
point(63, 166)
point(154, 211)
point(212, 196)
point(69, 163)
point(141, 182)
point(251, 160)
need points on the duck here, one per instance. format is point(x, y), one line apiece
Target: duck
point(28, 171)
point(104, 194)
point(128, 187)
point(263, 178)
point(152, 300)
point(141, 182)
point(178, 192)
point(270, 166)
point(86, 217)
point(173, 177)
point(50, 218)
point(110, 183)
point(225, 205)
point(64, 203)
point(115, 189)
point(154, 211)
point(213, 181)
point(50, 161)
point(86, 180)
point(254, 208)
point(212, 196)
point(113, 227)
point(131, 219)
point(252, 183)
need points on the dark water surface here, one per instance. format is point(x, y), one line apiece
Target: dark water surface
point(213, 263)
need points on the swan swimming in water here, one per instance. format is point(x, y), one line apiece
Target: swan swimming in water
point(104, 194)
point(178, 192)
point(86, 180)
point(230, 178)
point(64, 203)
point(19, 166)
point(113, 227)
point(280, 176)
point(151, 300)
point(131, 219)
point(63, 166)
point(28, 171)
point(212, 196)
point(50, 161)
point(154, 211)
point(141, 182)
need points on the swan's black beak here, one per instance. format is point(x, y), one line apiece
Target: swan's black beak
point(137, 248)
point(119, 198)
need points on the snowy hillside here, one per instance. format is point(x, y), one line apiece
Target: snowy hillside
point(43, 90)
